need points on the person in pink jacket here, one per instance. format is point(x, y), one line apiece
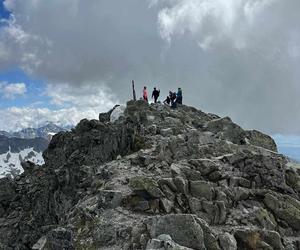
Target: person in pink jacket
point(145, 94)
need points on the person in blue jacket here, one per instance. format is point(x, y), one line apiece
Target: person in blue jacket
point(179, 96)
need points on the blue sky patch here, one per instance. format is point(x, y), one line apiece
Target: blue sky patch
point(288, 145)
point(4, 13)
point(35, 95)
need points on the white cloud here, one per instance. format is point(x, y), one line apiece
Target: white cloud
point(72, 105)
point(235, 57)
point(19, 118)
point(11, 90)
point(210, 20)
point(89, 95)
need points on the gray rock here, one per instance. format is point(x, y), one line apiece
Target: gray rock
point(181, 185)
point(227, 242)
point(122, 185)
point(166, 132)
point(285, 207)
point(145, 186)
point(257, 239)
point(59, 238)
point(201, 189)
point(259, 139)
point(164, 242)
point(191, 236)
point(109, 199)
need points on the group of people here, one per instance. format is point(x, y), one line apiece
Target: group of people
point(172, 99)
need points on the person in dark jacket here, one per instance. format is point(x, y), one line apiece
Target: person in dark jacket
point(179, 96)
point(155, 94)
point(173, 99)
point(167, 101)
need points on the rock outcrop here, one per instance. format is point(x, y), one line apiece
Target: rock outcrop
point(154, 178)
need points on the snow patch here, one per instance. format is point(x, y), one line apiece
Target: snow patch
point(117, 113)
point(10, 163)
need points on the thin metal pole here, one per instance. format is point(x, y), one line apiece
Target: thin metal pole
point(133, 91)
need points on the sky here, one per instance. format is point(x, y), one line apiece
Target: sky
point(62, 61)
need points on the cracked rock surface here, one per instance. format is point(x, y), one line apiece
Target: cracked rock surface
point(154, 178)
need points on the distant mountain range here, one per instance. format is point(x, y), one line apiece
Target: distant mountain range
point(46, 131)
point(24, 145)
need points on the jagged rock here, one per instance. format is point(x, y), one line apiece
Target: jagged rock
point(285, 208)
point(259, 139)
point(265, 219)
point(225, 129)
point(105, 142)
point(105, 117)
point(121, 183)
point(293, 179)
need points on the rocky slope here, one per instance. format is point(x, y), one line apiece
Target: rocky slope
point(155, 178)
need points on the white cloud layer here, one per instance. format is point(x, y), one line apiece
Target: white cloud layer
point(210, 21)
point(12, 90)
point(19, 118)
point(235, 57)
point(72, 105)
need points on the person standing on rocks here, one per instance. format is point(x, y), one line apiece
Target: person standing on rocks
point(179, 96)
point(145, 94)
point(173, 99)
point(155, 94)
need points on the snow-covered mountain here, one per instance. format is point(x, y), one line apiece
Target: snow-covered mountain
point(10, 162)
point(25, 145)
point(46, 131)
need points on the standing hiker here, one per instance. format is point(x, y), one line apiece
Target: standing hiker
point(145, 94)
point(155, 94)
point(173, 99)
point(179, 96)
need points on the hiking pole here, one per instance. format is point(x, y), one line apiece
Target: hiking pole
point(133, 91)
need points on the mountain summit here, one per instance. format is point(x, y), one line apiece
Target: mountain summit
point(154, 178)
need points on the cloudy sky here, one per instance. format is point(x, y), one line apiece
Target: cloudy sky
point(66, 60)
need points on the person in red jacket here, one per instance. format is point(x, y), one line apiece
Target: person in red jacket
point(145, 94)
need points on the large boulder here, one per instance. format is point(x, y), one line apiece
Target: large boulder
point(183, 229)
point(284, 207)
point(261, 140)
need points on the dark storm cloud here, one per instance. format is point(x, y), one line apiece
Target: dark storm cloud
point(238, 58)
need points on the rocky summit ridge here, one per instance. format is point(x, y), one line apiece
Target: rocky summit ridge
point(154, 179)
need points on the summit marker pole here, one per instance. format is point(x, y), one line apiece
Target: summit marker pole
point(133, 91)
